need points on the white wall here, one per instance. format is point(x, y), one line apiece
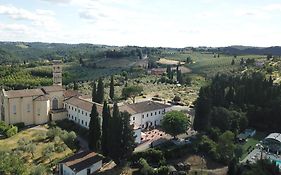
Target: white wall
point(78, 115)
point(66, 171)
point(154, 117)
point(94, 168)
point(137, 134)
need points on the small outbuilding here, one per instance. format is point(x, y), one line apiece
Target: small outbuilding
point(83, 163)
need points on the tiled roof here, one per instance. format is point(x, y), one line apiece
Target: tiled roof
point(83, 104)
point(82, 160)
point(24, 93)
point(71, 93)
point(53, 88)
point(142, 107)
point(41, 98)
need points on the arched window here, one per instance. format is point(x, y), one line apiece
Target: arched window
point(55, 103)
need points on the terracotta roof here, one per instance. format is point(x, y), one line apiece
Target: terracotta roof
point(41, 98)
point(83, 104)
point(142, 107)
point(24, 93)
point(53, 88)
point(71, 93)
point(82, 160)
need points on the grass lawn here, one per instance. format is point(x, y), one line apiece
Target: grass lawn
point(251, 142)
point(34, 135)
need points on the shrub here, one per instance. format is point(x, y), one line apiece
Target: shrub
point(12, 131)
point(20, 125)
point(163, 170)
point(152, 156)
point(145, 168)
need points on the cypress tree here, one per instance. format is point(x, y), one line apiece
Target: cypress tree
point(94, 130)
point(105, 128)
point(128, 139)
point(100, 91)
point(115, 127)
point(111, 90)
point(94, 92)
point(75, 86)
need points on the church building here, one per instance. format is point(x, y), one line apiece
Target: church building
point(34, 106)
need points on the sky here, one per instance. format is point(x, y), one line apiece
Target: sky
point(152, 23)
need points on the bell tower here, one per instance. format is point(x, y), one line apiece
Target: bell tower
point(57, 72)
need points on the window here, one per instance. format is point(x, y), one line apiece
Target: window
point(82, 112)
point(146, 115)
point(155, 113)
point(14, 109)
point(78, 110)
point(75, 118)
point(72, 107)
point(28, 107)
point(86, 124)
point(72, 117)
point(142, 126)
point(134, 118)
point(159, 112)
point(155, 122)
point(142, 116)
point(86, 113)
point(82, 122)
point(75, 109)
point(68, 107)
point(151, 114)
point(88, 171)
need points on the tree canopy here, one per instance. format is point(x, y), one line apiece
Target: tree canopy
point(174, 123)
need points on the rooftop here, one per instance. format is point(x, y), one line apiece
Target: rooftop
point(274, 136)
point(142, 107)
point(24, 93)
point(82, 160)
point(52, 88)
point(83, 104)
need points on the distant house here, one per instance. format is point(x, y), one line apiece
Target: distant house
point(83, 163)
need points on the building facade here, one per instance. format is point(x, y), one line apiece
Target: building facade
point(146, 114)
point(34, 106)
point(83, 163)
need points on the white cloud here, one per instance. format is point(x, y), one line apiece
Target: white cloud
point(41, 18)
point(58, 1)
point(273, 7)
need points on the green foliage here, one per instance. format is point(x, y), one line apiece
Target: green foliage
point(11, 164)
point(13, 130)
point(131, 91)
point(152, 156)
point(111, 89)
point(8, 130)
point(100, 92)
point(105, 129)
point(39, 170)
point(94, 130)
point(226, 146)
point(229, 98)
point(174, 123)
point(145, 168)
point(263, 166)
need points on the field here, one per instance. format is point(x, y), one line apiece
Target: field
point(34, 135)
point(207, 64)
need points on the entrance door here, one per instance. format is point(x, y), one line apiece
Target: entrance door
point(55, 103)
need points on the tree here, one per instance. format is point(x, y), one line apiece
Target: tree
point(100, 92)
point(174, 123)
point(179, 77)
point(169, 72)
point(111, 90)
point(75, 86)
point(94, 130)
point(105, 129)
point(232, 62)
point(11, 163)
point(115, 130)
point(232, 167)
point(132, 92)
point(39, 170)
point(128, 139)
point(94, 92)
point(226, 146)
